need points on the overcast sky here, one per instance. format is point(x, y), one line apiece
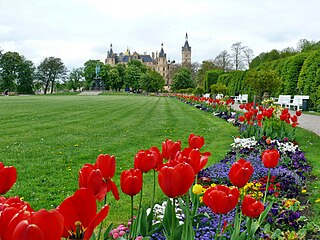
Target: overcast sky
point(79, 30)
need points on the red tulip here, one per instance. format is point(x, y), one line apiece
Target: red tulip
point(107, 165)
point(131, 181)
point(89, 177)
point(194, 158)
point(8, 176)
point(298, 113)
point(195, 141)
point(80, 214)
point(42, 225)
point(176, 180)
point(158, 156)
point(270, 158)
point(221, 199)
point(145, 160)
point(242, 118)
point(251, 207)
point(240, 173)
point(170, 148)
point(98, 177)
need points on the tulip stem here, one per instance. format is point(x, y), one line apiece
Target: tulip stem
point(105, 201)
point(154, 189)
point(173, 217)
point(130, 232)
point(218, 232)
point(267, 186)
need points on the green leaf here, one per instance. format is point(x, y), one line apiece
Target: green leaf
point(107, 231)
point(93, 237)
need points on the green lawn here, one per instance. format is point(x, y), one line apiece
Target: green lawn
point(49, 138)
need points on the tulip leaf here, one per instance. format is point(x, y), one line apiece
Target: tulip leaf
point(170, 221)
point(142, 222)
point(107, 231)
point(93, 237)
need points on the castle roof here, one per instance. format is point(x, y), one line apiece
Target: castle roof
point(186, 46)
point(161, 53)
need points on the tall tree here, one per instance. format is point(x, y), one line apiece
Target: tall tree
point(223, 61)
point(247, 55)
point(26, 77)
point(205, 66)
point(236, 55)
point(115, 80)
point(152, 81)
point(182, 79)
point(132, 78)
point(9, 70)
point(75, 79)
point(50, 70)
point(16, 73)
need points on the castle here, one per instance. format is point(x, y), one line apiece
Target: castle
point(157, 61)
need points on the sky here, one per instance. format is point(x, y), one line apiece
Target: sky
point(80, 30)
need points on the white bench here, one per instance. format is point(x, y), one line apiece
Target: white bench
point(283, 100)
point(297, 101)
point(242, 98)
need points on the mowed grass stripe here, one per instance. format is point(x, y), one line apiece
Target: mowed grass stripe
point(49, 138)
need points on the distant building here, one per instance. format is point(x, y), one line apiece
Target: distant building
point(157, 61)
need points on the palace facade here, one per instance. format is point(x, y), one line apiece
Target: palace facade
point(157, 61)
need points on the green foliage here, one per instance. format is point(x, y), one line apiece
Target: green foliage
point(198, 91)
point(16, 73)
point(152, 81)
point(115, 80)
point(201, 73)
point(74, 81)
point(219, 88)
point(89, 72)
point(291, 72)
point(234, 82)
point(263, 81)
point(182, 79)
point(132, 77)
point(211, 77)
point(309, 78)
point(50, 70)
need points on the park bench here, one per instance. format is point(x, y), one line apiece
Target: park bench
point(242, 98)
point(297, 101)
point(283, 100)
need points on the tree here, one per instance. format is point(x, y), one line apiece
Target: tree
point(115, 79)
point(152, 81)
point(211, 77)
point(132, 77)
point(26, 77)
point(121, 68)
point(263, 81)
point(247, 55)
point(9, 70)
point(182, 79)
point(89, 72)
point(219, 88)
point(201, 73)
point(223, 61)
point(16, 73)
point(50, 70)
point(75, 76)
point(237, 58)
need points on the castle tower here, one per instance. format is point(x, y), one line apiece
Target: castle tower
point(162, 66)
point(111, 57)
point(186, 52)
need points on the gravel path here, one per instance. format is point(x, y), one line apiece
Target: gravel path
point(306, 121)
